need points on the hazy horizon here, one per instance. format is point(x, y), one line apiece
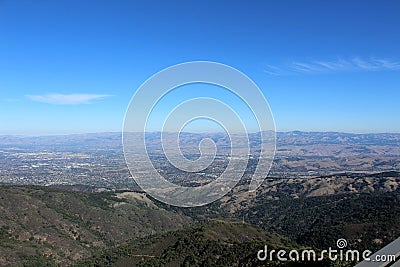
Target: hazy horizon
point(120, 133)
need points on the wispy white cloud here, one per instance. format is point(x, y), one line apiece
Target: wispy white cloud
point(341, 65)
point(273, 70)
point(70, 99)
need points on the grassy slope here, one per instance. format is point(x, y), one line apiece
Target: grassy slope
point(367, 221)
point(68, 226)
point(213, 243)
point(38, 222)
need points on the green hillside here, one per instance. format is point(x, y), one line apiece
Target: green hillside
point(367, 221)
point(42, 226)
point(41, 223)
point(213, 243)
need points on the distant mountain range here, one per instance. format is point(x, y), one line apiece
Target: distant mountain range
point(113, 139)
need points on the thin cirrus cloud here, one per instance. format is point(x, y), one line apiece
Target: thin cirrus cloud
point(67, 99)
point(350, 65)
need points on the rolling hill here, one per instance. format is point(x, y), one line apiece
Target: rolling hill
point(41, 223)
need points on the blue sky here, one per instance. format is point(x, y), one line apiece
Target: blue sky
point(72, 66)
